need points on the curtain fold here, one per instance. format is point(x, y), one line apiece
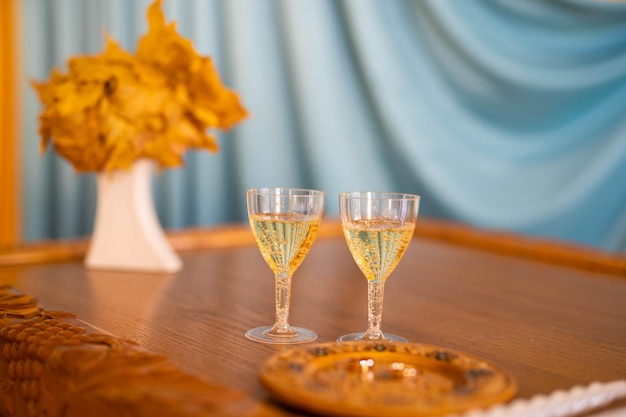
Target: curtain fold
point(502, 114)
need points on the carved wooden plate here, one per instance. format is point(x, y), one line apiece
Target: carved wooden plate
point(392, 379)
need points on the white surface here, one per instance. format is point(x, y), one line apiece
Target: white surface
point(576, 401)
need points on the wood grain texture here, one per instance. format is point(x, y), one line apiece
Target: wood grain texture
point(552, 326)
point(55, 365)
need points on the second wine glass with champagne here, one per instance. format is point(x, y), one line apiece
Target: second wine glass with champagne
point(378, 228)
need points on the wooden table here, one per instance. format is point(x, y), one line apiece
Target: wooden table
point(554, 316)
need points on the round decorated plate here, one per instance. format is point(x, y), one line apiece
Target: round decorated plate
point(384, 379)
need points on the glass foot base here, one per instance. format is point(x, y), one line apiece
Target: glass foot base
point(298, 335)
point(387, 337)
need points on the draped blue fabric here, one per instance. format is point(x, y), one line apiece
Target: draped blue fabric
point(503, 114)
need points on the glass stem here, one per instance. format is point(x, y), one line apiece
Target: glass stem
point(375, 293)
point(283, 295)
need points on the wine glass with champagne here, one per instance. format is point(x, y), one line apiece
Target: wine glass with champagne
point(378, 227)
point(284, 222)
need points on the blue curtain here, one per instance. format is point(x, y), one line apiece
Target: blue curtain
point(502, 114)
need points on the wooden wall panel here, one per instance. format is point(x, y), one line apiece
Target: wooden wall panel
point(9, 219)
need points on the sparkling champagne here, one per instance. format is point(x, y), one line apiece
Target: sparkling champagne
point(285, 238)
point(377, 245)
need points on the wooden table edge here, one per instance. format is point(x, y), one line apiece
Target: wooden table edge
point(545, 250)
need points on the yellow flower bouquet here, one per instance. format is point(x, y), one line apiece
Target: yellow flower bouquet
point(111, 109)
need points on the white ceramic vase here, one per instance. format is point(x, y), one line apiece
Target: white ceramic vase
point(127, 234)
